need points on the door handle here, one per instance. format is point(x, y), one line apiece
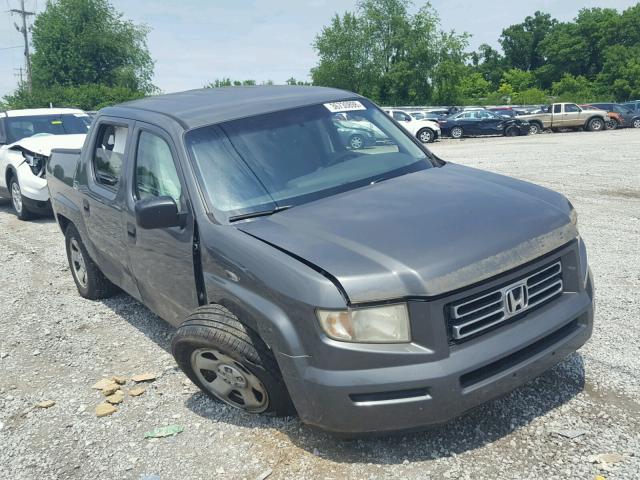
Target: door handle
point(131, 230)
point(85, 206)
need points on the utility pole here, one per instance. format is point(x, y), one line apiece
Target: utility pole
point(25, 33)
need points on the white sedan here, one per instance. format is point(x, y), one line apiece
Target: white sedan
point(426, 131)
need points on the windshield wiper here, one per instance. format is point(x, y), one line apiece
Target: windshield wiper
point(261, 213)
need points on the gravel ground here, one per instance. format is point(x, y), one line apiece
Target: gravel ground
point(54, 346)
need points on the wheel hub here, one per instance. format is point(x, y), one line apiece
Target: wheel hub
point(232, 376)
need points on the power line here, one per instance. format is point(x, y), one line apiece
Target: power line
point(9, 48)
point(25, 33)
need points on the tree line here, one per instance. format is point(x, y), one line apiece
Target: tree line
point(87, 55)
point(396, 57)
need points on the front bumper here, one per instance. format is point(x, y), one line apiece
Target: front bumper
point(408, 396)
point(32, 187)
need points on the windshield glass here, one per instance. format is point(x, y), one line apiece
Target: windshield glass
point(27, 126)
point(291, 157)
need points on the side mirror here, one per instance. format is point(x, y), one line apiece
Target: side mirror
point(158, 212)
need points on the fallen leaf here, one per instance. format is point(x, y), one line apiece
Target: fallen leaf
point(599, 477)
point(115, 398)
point(45, 404)
point(137, 391)
point(105, 409)
point(264, 474)
point(167, 431)
point(144, 377)
point(568, 433)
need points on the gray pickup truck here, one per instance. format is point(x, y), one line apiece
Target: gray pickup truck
point(366, 290)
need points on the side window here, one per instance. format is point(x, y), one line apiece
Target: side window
point(571, 108)
point(557, 108)
point(108, 154)
point(399, 116)
point(156, 174)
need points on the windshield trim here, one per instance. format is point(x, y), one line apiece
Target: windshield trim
point(221, 216)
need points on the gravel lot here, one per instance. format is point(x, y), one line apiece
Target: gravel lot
point(54, 346)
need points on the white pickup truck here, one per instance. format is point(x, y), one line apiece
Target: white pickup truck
point(427, 131)
point(26, 140)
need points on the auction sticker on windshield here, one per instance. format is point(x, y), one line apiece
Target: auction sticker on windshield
point(335, 107)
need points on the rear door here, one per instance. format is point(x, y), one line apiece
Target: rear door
point(161, 259)
point(102, 199)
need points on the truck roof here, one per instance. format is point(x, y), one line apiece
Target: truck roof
point(27, 112)
point(196, 108)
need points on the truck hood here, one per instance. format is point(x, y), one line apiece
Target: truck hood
point(43, 144)
point(422, 234)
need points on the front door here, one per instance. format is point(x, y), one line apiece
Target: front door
point(102, 202)
point(572, 116)
point(161, 259)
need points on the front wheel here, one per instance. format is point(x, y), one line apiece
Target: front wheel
point(636, 123)
point(511, 132)
point(22, 212)
point(89, 280)
point(230, 363)
point(356, 142)
point(456, 132)
point(611, 124)
point(595, 125)
point(426, 135)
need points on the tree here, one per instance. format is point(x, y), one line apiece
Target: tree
point(573, 89)
point(86, 55)
point(520, 80)
point(520, 42)
point(488, 62)
point(474, 88)
point(384, 52)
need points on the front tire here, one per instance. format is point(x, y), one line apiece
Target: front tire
point(229, 362)
point(611, 124)
point(636, 123)
point(595, 125)
point(17, 200)
point(89, 280)
point(457, 132)
point(426, 135)
point(356, 142)
point(535, 128)
point(511, 132)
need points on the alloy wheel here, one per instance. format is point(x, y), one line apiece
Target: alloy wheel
point(356, 142)
point(16, 197)
point(425, 136)
point(229, 380)
point(77, 263)
point(636, 123)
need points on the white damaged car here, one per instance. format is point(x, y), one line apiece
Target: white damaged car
point(427, 131)
point(26, 140)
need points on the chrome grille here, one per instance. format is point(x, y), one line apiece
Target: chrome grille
point(472, 316)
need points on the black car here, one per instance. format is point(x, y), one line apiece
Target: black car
point(482, 122)
point(634, 106)
point(626, 116)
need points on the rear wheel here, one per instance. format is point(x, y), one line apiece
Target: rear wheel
point(535, 128)
point(22, 212)
point(595, 125)
point(230, 363)
point(636, 123)
point(89, 280)
point(426, 135)
point(457, 132)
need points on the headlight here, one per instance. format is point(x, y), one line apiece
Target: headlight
point(385, 324)
point(573, 215)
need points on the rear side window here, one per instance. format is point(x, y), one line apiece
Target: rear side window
point(108, 155)
point(156, 174)
point(557, 108)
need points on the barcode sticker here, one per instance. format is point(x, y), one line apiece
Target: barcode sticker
point(335, 107)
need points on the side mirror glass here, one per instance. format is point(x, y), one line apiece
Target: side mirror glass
point(158, 212)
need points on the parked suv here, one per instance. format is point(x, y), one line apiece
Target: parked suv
point(26, 140)
point(367, 290)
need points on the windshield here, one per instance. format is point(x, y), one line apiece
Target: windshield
point(28, 126)
point(291, 157)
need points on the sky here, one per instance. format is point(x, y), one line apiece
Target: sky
point(196, 41)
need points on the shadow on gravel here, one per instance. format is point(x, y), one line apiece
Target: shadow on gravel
point(139, 316)
point(485, 424)
point(6, 207)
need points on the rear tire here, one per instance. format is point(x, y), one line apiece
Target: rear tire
point(636, 123)
point(230, 363)
point(89, 280)
point(595, 125)
point(17, 201)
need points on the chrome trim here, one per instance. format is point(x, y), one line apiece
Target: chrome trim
point(520, 295)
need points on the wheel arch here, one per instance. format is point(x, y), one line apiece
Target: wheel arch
point(593, 117)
